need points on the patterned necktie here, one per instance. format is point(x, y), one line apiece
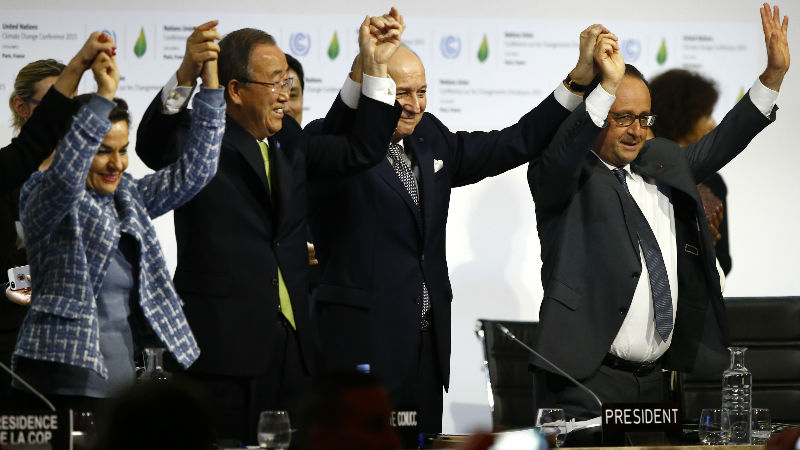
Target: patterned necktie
point(659, 282)
point(283, 292)
point(407, 178)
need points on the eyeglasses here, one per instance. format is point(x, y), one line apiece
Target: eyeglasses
point(278, 86)
point(626, 119)
point(33, 101)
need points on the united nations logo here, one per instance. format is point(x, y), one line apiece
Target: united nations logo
point(300, 43)
point(450, 46)
point(111, 33)
point(631, 50)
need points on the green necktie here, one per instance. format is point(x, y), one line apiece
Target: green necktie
point(283, 293)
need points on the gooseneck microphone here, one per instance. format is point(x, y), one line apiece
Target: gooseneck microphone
point(511, 336)
point(30, 388)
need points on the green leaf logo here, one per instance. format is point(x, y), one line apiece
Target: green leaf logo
point(661, 57)
point(483, 52)
point(333, 49)
point(141, 45)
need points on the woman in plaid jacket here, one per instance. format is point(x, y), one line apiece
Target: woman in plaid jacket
point(100, 282)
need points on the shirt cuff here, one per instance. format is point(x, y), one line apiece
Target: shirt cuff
point(598, 104)
point(350, 93)
point(174, 98)
point(567, 98)
point(381, 89)
point(763, 98)
point(101, 106)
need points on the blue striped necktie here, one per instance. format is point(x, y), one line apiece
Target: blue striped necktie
point(659, 282)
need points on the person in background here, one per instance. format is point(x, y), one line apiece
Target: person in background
point(683, 103)
point(295, 103)
point(100, 282)
point(42, 108)
point(347, 410)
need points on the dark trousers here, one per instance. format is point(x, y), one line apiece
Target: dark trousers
point(238, 401)
point(611, 385)
point(429, 386)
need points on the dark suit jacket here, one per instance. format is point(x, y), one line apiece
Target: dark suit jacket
point(590, 256)
point(376, 247)
point(233, 234)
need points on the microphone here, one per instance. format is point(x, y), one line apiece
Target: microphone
point(511, 336)
point(30, 388)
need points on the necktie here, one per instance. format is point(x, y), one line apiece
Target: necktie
point(283, 293)
point(407, 178)
point(659, 282)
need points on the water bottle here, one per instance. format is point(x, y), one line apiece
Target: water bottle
point(737, 384)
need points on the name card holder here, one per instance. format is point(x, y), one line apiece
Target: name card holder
point(642, 424)
point(36, 429)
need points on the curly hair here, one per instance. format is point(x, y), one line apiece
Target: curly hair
point(679, 99)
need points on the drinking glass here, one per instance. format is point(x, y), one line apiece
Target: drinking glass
point(550, 421)
point(762, 426)
point(715, 426)
point(274, 430)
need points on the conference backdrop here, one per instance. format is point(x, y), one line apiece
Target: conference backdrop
point(484, 71)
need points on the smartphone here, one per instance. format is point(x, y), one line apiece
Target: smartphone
point(18, 278)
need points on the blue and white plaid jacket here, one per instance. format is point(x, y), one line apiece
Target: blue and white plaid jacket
point(71, 233)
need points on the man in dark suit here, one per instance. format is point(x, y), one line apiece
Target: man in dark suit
point(242, 255)
point(384, 294)
point(630, 284)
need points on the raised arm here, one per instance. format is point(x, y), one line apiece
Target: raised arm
point(554, 178)
point(754, 111)
point(50, 120)
point(177, 183)
point(370, 130)
point(49, 195)
point(164, 128)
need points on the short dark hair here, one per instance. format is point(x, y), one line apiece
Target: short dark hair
point(680, 98)
point(118, 113)
point(630, 71)
point(234, 53)
point(319, 404)
point(295, 65)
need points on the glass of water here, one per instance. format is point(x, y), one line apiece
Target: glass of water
point(274, 430)
point(551, 423)
point(715, 426)
point(762, 426)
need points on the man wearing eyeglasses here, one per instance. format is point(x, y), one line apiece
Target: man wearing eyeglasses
point(628, 270)
point(242, 254)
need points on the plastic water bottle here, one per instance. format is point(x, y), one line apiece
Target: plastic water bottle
point(737, 385)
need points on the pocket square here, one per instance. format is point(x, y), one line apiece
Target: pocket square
point(437, 165)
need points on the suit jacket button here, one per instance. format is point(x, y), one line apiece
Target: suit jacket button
point(422, 257)
point(274, 281)
point(418, 300)
point(277, 244)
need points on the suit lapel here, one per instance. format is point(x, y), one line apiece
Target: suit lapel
point(625, 200)
point(389, 176)
point(248, 146)
point(281, 174)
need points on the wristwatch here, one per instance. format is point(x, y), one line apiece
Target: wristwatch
point(573, 86)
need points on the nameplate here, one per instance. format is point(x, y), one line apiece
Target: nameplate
point(36, 429)
point(404, 422)
point(641, 423)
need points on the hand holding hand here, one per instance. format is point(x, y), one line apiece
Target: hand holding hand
point(67, 82)
point(609, 61)
point(200, 49)
point(775, 36)
point(586, 69)
point(106, 75)
point(378, 39)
